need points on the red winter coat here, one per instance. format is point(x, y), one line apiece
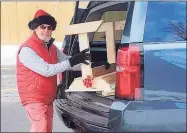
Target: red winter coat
point(33, 87)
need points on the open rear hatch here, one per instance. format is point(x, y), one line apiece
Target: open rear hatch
point(80, 107)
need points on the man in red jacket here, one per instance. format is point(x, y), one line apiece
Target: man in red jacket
point(38, 63)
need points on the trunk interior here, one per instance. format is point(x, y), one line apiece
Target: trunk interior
point(98, 59)
point(96, 100)
point(92, 102)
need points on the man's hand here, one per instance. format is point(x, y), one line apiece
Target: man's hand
point(80, 58)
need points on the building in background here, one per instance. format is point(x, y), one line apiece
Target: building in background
point(15, 16)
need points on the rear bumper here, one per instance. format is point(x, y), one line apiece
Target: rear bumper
point(79, 120)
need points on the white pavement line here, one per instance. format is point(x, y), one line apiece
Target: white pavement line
point(7, 67)
point(8, 90)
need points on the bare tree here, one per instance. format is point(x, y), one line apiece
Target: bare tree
point(177, 29)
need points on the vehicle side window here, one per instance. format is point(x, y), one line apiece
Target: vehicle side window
point(111, 16)
point(165, 21)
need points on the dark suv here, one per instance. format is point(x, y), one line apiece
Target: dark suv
point(150, 63)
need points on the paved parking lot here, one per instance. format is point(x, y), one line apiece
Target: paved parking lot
point(13, 116)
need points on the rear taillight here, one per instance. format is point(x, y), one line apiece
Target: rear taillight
point(128, 72)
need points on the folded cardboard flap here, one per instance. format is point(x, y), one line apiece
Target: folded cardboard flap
point(101, 70)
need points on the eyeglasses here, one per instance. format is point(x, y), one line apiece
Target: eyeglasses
point(43, 27)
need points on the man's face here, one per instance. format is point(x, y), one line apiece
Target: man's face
point(44, 32)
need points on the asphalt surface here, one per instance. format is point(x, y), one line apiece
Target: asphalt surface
point(13, 115)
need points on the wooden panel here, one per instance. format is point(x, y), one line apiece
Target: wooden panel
point(84, 44)
point(109, 29)
point(119, 25)
point(82, 27)
point(110, 41)
point(102, 83)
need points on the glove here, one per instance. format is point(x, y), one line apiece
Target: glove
point(107, 65)
point(80, 58)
